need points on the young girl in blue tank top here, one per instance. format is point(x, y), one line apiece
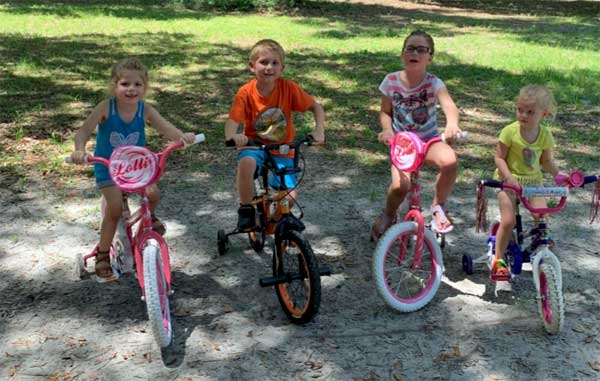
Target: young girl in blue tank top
point(121, 121)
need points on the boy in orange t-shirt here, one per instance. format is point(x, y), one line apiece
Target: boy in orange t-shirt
point(265, 105)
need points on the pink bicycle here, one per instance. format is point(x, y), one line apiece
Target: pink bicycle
point(533, 245)
point(143, 251)
point(407, 263)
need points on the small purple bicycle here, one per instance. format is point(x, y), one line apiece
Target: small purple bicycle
point(533, 245)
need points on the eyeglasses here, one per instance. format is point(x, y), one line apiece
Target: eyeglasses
point(419, 49)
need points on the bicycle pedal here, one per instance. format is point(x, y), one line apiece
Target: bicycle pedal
point(499, 278)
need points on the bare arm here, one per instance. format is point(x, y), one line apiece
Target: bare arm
point(231, 133)
point(319, 115)
point(547, 162)
point(98, 115)
point(385, 120)
point(164, 127)
point(450, 111)
point(500, 160)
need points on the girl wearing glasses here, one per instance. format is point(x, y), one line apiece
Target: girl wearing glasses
point(408, 103)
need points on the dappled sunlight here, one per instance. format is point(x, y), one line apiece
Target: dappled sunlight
point(466, 286)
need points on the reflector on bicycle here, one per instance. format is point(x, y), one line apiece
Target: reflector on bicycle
point(545, 191)
point(407, 151)
point(133, 168)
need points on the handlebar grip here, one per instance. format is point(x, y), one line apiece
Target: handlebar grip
point(590, 179)
point(230, 143)
point(199, 139)
point(492, 183)
point(86, 160)
point(462, 136)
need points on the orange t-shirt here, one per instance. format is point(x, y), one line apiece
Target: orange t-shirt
point(269, 119)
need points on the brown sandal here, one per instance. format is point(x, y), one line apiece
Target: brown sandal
point(158, 226)
point(103, 268)
point(381, 224)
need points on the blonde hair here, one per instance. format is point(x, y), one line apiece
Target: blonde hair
point(132, 64)
point(541, 95)
point(267, 44)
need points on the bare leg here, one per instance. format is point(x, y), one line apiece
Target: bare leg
point(153, 197)
point(114, 206)
point(395, 195)
point(245, 179)
point(443, 157)
point(507, 205)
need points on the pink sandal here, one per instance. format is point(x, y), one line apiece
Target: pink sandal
point(381, 224)
point(443, 219)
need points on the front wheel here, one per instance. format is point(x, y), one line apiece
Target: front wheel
point(300, 295)
point(156, 292)
point(550, 298)
point(402, 286)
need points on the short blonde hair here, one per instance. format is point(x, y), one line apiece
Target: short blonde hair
point(541, 95)
point(267, 44)
point(130, 63)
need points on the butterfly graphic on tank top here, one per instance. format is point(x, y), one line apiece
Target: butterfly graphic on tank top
point(117, 139)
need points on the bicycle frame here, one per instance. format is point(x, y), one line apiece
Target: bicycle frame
point(415, 211)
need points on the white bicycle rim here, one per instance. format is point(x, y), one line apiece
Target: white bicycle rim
point(379, 271)
point(550, 298)
point(157, 299)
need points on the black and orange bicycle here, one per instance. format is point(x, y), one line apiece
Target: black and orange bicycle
point(296, 271)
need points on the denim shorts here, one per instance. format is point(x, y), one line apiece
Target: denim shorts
point(281, 162)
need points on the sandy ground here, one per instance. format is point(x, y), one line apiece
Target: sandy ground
point(54, 326)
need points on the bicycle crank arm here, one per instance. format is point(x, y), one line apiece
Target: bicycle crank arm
point(287, 278)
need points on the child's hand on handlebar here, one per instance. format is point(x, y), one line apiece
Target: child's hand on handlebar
point(78, 157)
point(451, 132)
point(188, 138)
point(385, 137)
point(319, 137)
point(239, 139)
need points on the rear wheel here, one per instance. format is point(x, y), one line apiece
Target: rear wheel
point(257, 240)
point(122, 248)
point(156, 293)
point(467, 264)
point(222, 242)
point(402, 286)
point(550, 298)
point(300, 295)
point(78, 267)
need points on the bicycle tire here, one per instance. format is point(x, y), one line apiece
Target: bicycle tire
point(122, 248)
point(550, 299)
point(422, 284)
point(257, 240)
point(157, 298)
point(299, 298)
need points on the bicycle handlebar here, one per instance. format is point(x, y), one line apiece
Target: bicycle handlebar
point(308, 140)
point(91, 159)
point(524, 192)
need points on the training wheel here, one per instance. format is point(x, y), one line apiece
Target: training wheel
point(222, 242)
point(467, 264)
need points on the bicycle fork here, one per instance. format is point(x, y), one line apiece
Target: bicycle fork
point(541, 255)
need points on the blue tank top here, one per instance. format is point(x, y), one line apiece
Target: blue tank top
point(115, 133)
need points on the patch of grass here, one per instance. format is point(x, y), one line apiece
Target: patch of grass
point(56, 58)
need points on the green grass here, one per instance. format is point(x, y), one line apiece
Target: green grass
point(56, 59)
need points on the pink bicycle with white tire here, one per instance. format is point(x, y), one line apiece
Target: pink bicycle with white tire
point(533, 245)
point(143, 251)
point(407, 262)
